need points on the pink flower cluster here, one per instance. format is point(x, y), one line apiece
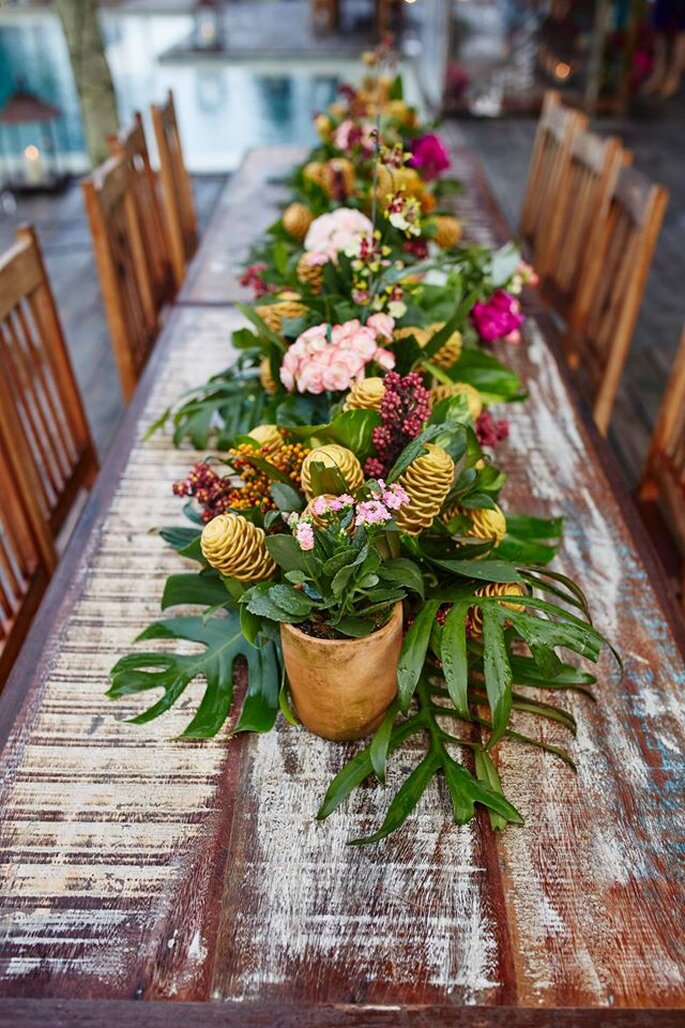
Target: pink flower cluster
point(499, 318)
point(340, 231)
point(429, 154)
point(350, 134)
point(379, 510)
point(333, 359)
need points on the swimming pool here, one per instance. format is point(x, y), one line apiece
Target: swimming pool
point(223, 107)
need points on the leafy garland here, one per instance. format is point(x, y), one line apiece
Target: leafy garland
point(485, 614)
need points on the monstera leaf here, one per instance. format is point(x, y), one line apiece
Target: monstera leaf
point(223, 643)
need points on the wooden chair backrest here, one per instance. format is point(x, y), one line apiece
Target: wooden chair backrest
point(122, 267)
point(27, 555)
point(549, 168)
point(581, 208)
point(177, 193)
point(603, 316)
point(39, 397)
point(132, 147)
point(664, 475)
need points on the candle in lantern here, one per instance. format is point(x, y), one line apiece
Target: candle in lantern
point(33, 165)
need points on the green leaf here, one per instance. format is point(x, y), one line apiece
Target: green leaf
point(487, 774)
point(355, 627)
point(353, 429)
point(453, 654)
point(264, 331)
point(179, 538)
point(286, 551)
point(290, 599)
point(286, 497)
point(494, 381)
point(413, 654)
point(405, 572)
point(378, 750)
point(326, 479)
point(260, 601)
point(223, 643)
point(360, 767)
point(497, 671)
point(485, 570)
point(405, 799)
point(206, 590)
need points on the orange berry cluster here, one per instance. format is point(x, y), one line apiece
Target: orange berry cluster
point(217, 494)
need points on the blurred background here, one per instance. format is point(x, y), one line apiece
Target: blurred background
point(254, 72)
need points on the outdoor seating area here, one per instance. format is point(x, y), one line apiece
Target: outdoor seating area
point(341, 643)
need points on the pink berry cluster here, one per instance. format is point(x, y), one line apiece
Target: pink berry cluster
point(213, 492)
point(252, 278)
point(405, 407)
point(489, 431)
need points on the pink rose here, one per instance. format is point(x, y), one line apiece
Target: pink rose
point(341, 230)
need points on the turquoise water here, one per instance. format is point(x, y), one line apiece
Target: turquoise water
point(223, 109)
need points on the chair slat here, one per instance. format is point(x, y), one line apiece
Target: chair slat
point(549, 169)
point(177, 192)
point(124, 273)
point(603, 313)
point(582, 203)
point(132, 148)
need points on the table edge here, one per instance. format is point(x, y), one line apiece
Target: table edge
point(36, 1013)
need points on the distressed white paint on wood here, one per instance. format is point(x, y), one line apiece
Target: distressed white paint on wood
point(104, 821)
point(410, 911)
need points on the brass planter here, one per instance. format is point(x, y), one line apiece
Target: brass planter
point(341, 688)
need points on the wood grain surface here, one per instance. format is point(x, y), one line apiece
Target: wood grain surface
point(133, 866)
point(249, 203)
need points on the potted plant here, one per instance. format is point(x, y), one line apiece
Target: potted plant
point(339, 607)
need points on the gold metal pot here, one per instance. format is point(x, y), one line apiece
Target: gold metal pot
point(341, 688)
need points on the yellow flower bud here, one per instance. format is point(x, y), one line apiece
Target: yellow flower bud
point(332, 456)
point(296, 219)
point(268, 436)
point(365, 395)
point(494, 589)
point(447, 231)
point(237, 548)
point(427, 481)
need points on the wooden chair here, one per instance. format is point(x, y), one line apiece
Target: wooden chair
point(40, 406)
point(124, 273)
point(132, 147)
point(581, 207)
point(177, 193)
point(27, 553)
point(549, 170)
point(663, 480)
point(603, 316)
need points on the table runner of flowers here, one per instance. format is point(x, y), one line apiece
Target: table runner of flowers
point(349, 465)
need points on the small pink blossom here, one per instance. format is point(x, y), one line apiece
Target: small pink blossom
point(383, 325)
point(372, 512)
point(304, 534)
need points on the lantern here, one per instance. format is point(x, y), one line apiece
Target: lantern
point(28, 143)
point(209, 26)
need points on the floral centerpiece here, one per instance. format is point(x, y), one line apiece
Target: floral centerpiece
point(352, 549)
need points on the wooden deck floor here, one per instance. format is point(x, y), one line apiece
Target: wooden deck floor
point(659, 150)
point(65, 238)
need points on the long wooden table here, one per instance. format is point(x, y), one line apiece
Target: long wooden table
point(137, 867)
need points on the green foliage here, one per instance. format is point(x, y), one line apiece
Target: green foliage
point(223, 642)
